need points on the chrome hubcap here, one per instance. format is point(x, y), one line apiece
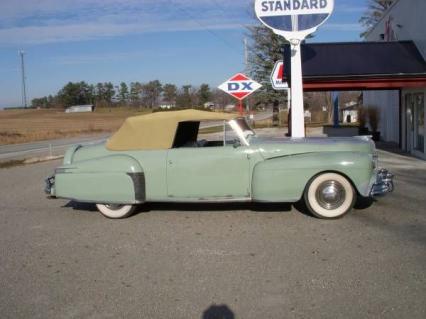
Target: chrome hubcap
point(114, 207)
point(330, 195)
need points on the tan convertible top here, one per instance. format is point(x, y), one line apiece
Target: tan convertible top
point(157, 130)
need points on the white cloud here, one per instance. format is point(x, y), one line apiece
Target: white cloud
point(47, 21)
point(90, 31)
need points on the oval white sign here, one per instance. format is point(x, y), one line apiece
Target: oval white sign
point(293, 15)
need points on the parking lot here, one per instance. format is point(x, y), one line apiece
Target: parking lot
point(64, 260)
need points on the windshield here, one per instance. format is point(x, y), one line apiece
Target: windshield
point(241, 130)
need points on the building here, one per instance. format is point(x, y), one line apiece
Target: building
point(380, 69)
point(349, 113)
point(402, 109)
point(80, 109)
point(209, 105)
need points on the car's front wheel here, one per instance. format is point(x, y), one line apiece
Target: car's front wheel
point(116, 211)
point(329, 196)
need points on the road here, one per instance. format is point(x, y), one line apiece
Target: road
point(58, 147)
point(43, 148)
point(64, 260)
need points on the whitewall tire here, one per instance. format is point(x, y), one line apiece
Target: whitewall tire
point(329, 196)
point(116, 211)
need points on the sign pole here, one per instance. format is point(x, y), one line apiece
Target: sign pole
point(241, 107)
point(297, 110)
point(294, 20)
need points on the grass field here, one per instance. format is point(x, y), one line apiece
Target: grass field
point(23, 126)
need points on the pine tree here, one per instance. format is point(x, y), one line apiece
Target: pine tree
point(123, 93)
point(204, 94)
point(265, 49)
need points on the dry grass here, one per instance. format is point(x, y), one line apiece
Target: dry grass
point(23, 126)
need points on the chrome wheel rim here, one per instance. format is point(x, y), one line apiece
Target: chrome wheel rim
point(330, 195)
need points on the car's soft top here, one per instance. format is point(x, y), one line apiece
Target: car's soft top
point(157, 130)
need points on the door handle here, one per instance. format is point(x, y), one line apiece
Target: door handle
point(170, 162)
point(248, 156)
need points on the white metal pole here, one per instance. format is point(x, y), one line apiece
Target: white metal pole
point(288, 99)
point(297, 111)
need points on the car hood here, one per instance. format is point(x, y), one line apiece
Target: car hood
point(277, 147)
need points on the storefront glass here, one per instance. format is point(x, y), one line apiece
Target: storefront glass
point(419, 122)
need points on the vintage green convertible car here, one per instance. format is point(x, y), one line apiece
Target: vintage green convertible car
point(162, 157)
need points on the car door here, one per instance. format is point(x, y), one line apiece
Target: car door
point(208, 173)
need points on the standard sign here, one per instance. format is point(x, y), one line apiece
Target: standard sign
point(293, 15)
point(240, 86)
point(277, 77)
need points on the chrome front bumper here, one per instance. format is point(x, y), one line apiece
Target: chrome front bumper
point(50, 186)
point(383, 184)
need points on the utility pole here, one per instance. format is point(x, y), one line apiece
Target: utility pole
point(246, 54)
point(246, 70)
point(24, 86)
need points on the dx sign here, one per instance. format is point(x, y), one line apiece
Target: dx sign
point(240, 86)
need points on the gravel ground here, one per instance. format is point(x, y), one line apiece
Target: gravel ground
point(63, 260)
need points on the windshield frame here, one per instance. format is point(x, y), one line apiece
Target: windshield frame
point(242, 129)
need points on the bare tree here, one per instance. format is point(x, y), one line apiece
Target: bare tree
point(375, 11)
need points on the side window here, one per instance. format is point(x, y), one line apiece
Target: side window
point(204, 134)
point(215, 134)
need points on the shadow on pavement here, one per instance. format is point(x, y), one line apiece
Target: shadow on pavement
point(194, 207)
point(361, 204)
point(218, 312)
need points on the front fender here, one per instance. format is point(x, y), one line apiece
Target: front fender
point(284, 179)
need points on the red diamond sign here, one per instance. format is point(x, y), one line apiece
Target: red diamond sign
point(240, 86)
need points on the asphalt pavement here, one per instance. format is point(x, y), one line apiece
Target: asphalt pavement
point(64, 260)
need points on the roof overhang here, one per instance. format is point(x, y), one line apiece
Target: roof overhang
point(367, 83)
point(362, 66)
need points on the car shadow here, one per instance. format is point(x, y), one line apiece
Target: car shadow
point(361, 204)
point(81, 206)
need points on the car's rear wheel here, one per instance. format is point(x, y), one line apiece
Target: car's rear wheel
point(329, 196)
point(116, 211)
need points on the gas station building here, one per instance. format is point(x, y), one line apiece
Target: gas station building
point(389, 68)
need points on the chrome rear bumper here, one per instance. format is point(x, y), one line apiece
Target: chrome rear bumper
point(50, 186)
point(384, 183)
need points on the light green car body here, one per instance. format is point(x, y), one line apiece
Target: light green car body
point(266, 170)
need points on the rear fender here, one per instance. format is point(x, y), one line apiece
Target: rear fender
point(107, 180)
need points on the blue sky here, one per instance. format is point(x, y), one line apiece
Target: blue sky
point(174, 41)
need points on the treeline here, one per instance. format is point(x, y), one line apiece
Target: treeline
point(152, 95)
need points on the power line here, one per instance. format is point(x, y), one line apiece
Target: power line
point(186, 12)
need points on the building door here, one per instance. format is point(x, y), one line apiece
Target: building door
point(419, 122)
